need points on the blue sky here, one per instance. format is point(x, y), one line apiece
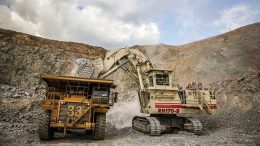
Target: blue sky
point(206, 17)
point(120, 23)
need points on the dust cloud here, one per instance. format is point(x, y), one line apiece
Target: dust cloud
point(121, 114)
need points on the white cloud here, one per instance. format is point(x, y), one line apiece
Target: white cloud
point(101, 23)
point(119, 23)
point(236, 16)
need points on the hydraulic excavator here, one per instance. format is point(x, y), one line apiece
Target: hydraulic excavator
point(169, 106)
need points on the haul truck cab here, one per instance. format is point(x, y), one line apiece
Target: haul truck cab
point(75, 103)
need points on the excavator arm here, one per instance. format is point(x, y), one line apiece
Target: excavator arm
point(120, 58)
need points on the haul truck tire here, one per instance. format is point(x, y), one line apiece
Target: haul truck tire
point(45, 131)
point(100, 127)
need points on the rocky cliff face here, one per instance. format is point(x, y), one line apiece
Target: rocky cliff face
point(24, 57)
point(239, 102)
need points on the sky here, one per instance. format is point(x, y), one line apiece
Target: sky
point(120, 23)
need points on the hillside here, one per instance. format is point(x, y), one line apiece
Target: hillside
point(23, 57)
point(213, 59)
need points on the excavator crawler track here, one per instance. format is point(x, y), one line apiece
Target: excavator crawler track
point(193, 125)
point(149, 125)
point(153, 127)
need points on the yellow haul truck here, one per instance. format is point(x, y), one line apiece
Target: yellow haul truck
point(75, 103)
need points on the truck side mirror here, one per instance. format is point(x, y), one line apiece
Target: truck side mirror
point(113, 98)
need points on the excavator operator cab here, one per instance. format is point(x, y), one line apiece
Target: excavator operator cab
point(159, 78)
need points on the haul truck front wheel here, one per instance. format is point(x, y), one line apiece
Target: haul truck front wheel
point(45, 131)
point(100, 127)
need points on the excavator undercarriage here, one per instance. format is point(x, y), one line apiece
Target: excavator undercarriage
point(156, 125)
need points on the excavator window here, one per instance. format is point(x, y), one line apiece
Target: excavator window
point(162, 79)
point(212, 95)
point(151, 81)
point(183, 96)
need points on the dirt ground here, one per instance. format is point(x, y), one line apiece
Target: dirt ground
point(128, 136)
point(19, 127)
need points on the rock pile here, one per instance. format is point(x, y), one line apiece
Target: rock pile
point(239, 103)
